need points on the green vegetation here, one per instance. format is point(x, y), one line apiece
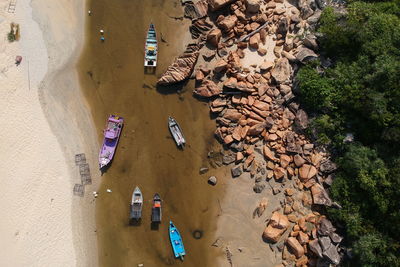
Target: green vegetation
point(360, 94)
point(13, 35)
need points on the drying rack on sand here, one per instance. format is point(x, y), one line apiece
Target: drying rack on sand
point(84, 172)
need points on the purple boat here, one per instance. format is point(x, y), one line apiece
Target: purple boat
point(111, 137)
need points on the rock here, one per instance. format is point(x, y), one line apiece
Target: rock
point(285, 160)
point(272, 234)
point(325, 242)
point(320, 196)
point(180, 70)
point(335, 237)
point(295, 247)
point(311, 42)
point(301, 120)
point(314, 18)
point(315, 247)
point(302, 261)
point(302, 238)
point(279, 173)
point(304, 55)
point(217, 4)
point(325, 227)
point(212, 180)
point(199, 76)
point(279, 221)
point(252, 6)
point(289, 56)
point(239, 156)
point(307, 150)
point(258, 187)
point(261, 105)
point(266, 65)
point(254, 41)
point(207, 89)
point(231, 82)
point(283, 27)
point(208, 55)
point(232, 114)
point(282, 70)
point(262, 51)
point(327, 166)
point(197, 10)
point(236, 171)
point(228, 139)
point(220, 66)
point(214, 36)
point(268, 153)
point(332, 255)
point(203, 170)
point(256, 129)
point(298, 160)
point(228, 158)
point(228, 23)
point(307, 172)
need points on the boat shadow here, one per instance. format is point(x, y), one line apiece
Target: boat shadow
point(149, 70)
point(134, 222)
point(154, 226)
point(176, 88)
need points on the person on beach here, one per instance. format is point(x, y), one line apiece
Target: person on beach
point(89, 12)
point(101, 32)
point(102, 38)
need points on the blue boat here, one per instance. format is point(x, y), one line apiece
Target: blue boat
point(176, 241)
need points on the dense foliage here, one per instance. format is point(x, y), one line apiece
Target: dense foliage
point(360, 94)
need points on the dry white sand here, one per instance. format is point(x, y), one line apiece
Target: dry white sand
point(44, 123)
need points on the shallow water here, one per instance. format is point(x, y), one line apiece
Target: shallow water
point(114, 81)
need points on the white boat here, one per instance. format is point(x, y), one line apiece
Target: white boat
point(150, 48)
point(176, 132)
point(136, 204)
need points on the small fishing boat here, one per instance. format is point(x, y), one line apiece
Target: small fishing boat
point(111, 138)
point(156, 209)
point(136, 204)
point(176, 241)
point(176, 132)
point(150, 48)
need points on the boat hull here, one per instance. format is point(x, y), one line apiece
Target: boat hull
point(156, 209)
point(176, 132)
point(136, 204)
point(151, 48)
point(176, 241)
point(112, 134)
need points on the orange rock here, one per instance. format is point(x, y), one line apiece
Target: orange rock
point(298, 160)
point(268, 153)
point(285, 160)
point(231, 82)
point(239, 157)
point(302, 261)
point(236, 133)
point(279, 221)
point(295, 247)
point(279, 173)
point(228, 139)
point(261, 105)
point(302, 238)
point(273, 234)
point(244, 131)
point(254, 41)
point(214, 36)
point(199, 75)
point(220, 66)
point(307, 171)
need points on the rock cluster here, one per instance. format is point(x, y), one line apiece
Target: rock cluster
point(256, 114)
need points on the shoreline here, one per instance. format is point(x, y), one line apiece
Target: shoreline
point(57, 228)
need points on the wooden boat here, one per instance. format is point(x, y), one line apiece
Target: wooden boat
point(176, 241)
point(110, 141)
point(136, 204)
point(156, 209)
point(150, 48)
point(176, 132)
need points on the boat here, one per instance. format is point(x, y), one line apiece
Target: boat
point(156, 209)
point(136, 204)
point(176, 132)
point(111, 138)
point(176, 241)
point(150, 48)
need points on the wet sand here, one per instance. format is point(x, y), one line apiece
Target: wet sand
point(114, 82)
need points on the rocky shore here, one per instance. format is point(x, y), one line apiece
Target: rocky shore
point(243, 60)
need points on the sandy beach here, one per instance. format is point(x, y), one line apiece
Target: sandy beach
point(45, 123)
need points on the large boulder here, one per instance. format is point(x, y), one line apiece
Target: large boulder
point(315, 247)
point(282, 70)
point(320, 196)
point(307, 172)
point(217, 4)
point(214, 36)
point(180, 70)
point(301, 120)
point(207, 89)
point(197, 10)
point(228, 23)
point(295, 247)
point(304, 55)
point(252, 6)
point(276, 227)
